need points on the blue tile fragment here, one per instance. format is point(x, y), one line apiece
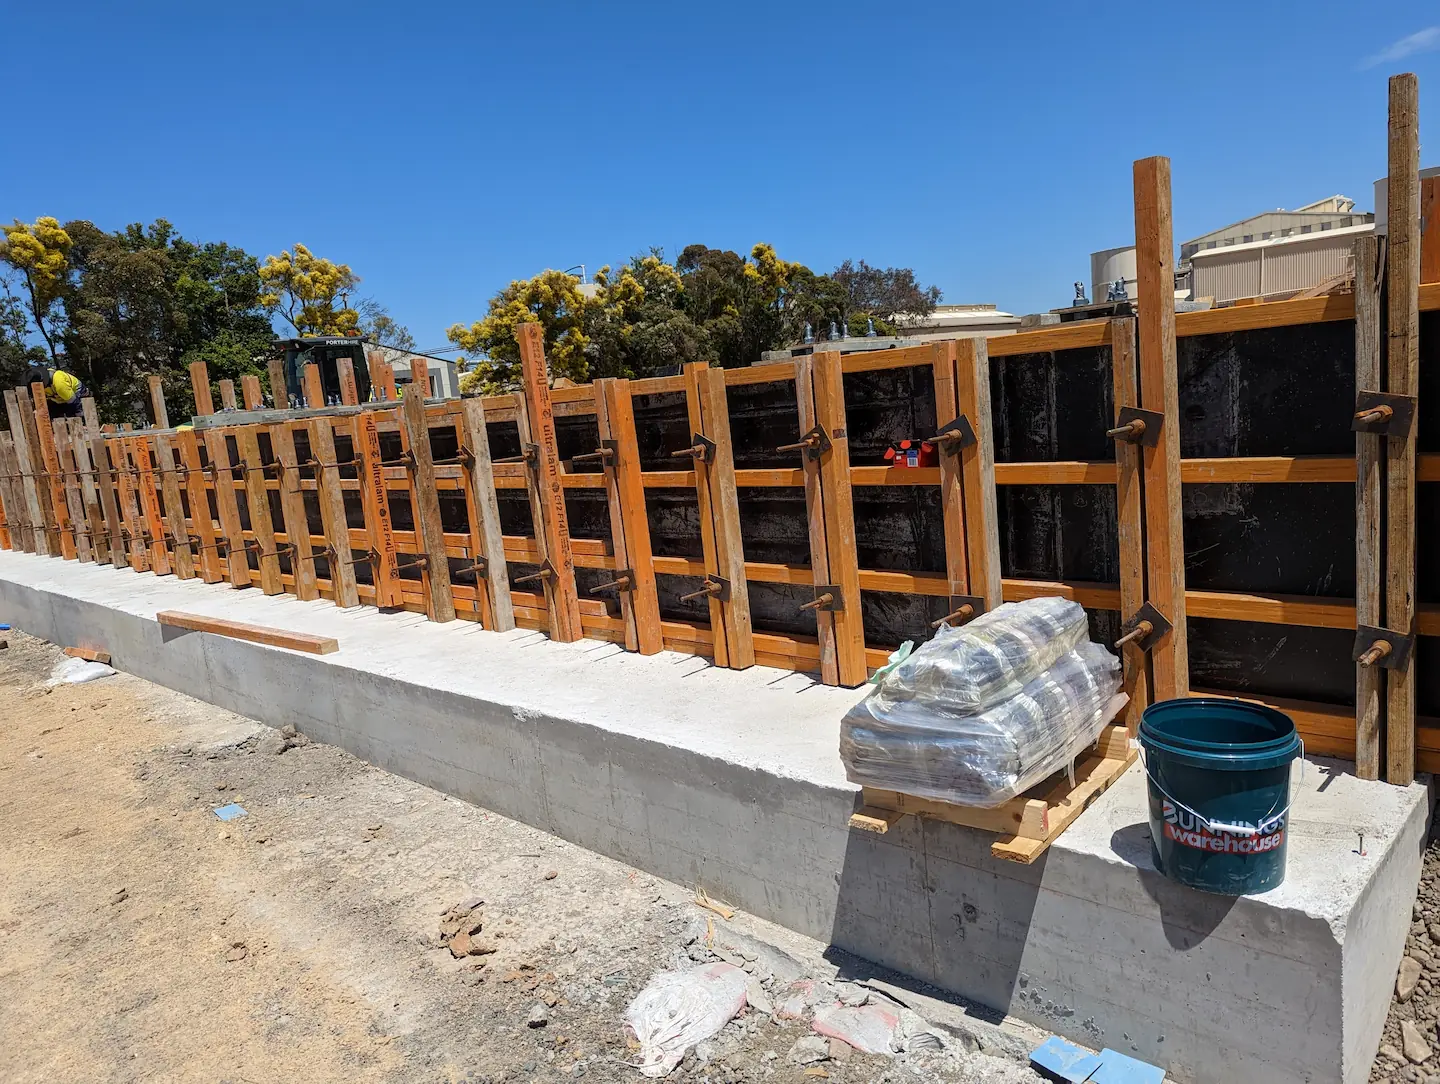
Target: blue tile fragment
point(1060, 1060)
point(230, 812)
point(1118, 1068)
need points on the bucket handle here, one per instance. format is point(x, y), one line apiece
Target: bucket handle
point(1223, 827)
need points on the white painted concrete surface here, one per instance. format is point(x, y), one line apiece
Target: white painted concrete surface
point(732, 781)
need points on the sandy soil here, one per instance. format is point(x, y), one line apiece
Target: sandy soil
point(143, 939)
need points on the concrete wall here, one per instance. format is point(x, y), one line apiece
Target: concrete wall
point(731, 781)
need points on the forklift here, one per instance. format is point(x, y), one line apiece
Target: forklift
point(324, 351)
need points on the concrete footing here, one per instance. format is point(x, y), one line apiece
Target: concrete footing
point(732, 781)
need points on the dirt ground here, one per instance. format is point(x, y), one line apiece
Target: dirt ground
point(1410, 1049)
point(144, 939)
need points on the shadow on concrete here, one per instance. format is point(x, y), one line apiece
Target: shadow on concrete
point(927, 900)
point(1187, 915)
point(172, 632)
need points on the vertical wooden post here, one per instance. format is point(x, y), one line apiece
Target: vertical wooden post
point(200, 386)
point(332, 513)
point(292, 510)
point(1130, 518)
point(840, 518)
point(384, 569)
point(561, 597)
point(26, 456)
point(70, 484)
point(430, 536)
point(952, 494)
point(227, 507)
point(629, 526)
point(90, 492)
point(45, 436)
point(126, 477)
point(725, 508)
point(1430, 229)
point(279, 393)
point(420, 374)
point(17, 510)
point(349, 393)
point(109, 503)
point(815, 519)
point(202, 524)
point(257, 501)
point(1402, 374)
point(250, 392)
point(157, 402)
point(174, 508)
point(314, 387)
point(1369, 482)
point(90, 415)
point(227, 395)
point(704, 500)
point(150, 505)
point(1159, 391)
point(977, 467)
point(485, 509)
point(382, 377)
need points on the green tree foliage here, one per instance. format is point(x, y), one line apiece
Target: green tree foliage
point(378, 326)
point(309, 292)
point(555, 301)
point(890, 294)
point(16, 354)
point(39, 255)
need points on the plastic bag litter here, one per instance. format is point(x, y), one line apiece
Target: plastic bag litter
point(873, 1028)
point(965, 670)
point(678, 1009)
point(922, 747)
point(71, 671)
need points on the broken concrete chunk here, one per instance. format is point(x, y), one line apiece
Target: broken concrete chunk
point(119, 896)
point(271, 745)
point(1416, 1048)
point(757, 998)
point(1410, 970)
point(539, 1016)
point(288, 730)
point(811, 1048)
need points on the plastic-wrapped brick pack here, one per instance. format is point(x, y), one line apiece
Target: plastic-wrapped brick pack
point(909, 736)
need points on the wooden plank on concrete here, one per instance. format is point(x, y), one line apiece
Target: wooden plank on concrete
point(384, 568)
point(90, 415)
point(126, 477)
point(485, 512)
point(25, 458)
point(22, 532)
point(977, 468)
point(349, 392)
point(292, 510)
point(227, 507)
point(844, 569)
point(158, 411)
point(314, 386)
point(45, 437)
point(1369, 475)
point(694, 403)
point(258, 634)
point(952, 493)
point(561, 597)
point(425, 500)
point(70, 484)
point(1130, 518)
point(227, 395)
point(1159, 391)
point(382, 377)
point(629, 524)
point(257, 502)
point(279, 393)
point(815, 518)
point(90, 492)
point(200, 388)
point(332, 513)
point(1402, 377)
point(725, 508)
point(202, 524)
point(105, 482)
point(183, 557)
point(149, 497)
point(250, 392)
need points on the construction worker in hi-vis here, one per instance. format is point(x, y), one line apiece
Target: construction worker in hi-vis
point(63, 390)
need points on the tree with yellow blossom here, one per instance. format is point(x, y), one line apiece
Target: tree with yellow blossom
point(39, 254)
point(310, 292)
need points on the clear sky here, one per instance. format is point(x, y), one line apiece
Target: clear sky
point(444, 149)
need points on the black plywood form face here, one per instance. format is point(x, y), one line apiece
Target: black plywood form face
point(1277, 538)
point(1066, 532)
point(900, 528)
point(1429, 438)
point(885, 407)
point(1427, 537)
point(662, 426)
point(1254, 659)
point(1427, 676)
point(1049, 407)
point(1273, 391)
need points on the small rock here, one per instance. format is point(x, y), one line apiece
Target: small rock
point(236, 954)
point(552, 874)
point(1409, 975)
point(1414, 1044)
point(1388, 1051)
point(221, 786)
point(811, 1048)
point(119, 896)
point(840, 1050)
point(540, 1016)
point(816, 1071)
point(271, 745)
point(299, 741)
point(757, 998)
point(460, 945)
point(482, 946)
point(288, 730)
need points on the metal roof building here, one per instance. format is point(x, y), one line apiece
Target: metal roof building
point(1281, 265)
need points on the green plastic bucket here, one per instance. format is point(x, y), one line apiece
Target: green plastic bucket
point(1218, 773)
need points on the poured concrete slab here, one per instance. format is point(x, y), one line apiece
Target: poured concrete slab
point(731, 781)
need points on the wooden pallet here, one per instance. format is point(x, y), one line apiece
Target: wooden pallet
point(1029, 823)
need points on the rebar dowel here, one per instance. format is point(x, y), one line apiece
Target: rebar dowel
point(963, 611)
point(1139, 632)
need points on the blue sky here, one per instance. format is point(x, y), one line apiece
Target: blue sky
point(444, 149)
